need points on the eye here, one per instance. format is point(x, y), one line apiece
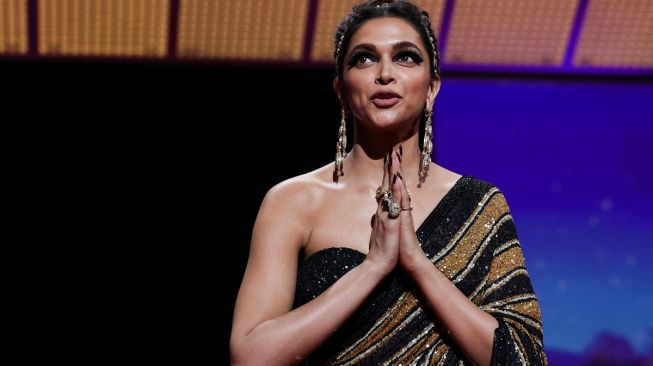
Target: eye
point(361, 58)
point(409, 57)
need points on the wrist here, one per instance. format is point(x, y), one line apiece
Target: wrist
point(375, 269)
point(415, 262)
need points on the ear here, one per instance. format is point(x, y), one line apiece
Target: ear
point(338, 87)
point(434, 88)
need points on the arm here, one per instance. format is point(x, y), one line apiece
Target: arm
point(265, 330)
point(470, 327)
point(509, 297)
point(505, 328)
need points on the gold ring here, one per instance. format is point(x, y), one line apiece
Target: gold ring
point(382, 193)
point(393, 209)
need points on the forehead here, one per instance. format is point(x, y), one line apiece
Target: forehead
point(386, 32)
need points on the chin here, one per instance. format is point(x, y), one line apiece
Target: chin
point(387, 123)
point(387, 119)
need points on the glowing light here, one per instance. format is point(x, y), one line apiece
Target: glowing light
point(510, 32)
point(330, 14)
point(103, 27)
point(617, 34)
point(13, 27)
point(242, 29)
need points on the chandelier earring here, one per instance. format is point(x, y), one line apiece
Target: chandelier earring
point(427, 147)
point(341, 146)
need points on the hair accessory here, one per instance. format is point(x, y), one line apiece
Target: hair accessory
point(434, 62)
point(339, 46)
point(426, 23)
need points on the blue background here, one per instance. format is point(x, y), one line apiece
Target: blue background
point(573, 160)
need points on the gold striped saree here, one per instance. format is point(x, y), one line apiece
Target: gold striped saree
point(471, 238)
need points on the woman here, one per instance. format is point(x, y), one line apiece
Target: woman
point(337, 273)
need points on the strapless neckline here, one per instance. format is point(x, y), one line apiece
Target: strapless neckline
point(431, 219)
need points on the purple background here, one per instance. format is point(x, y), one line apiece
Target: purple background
point(573, 159)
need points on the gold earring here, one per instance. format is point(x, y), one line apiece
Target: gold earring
point(341, 146)
point(427, 148)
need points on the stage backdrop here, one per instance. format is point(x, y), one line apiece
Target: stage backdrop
point(142, 183)
point(573, 159)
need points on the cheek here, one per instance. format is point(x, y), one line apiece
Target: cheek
point(417, 88)
point(355, 86)
point(356, 89)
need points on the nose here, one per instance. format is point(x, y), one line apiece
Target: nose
point(385, 75)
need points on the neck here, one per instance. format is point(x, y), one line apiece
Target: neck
point(365, 162)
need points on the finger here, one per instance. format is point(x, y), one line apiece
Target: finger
point(405, 203)
point(396, 166)
point(388, 169)
point(384, 183)
point(393, 201)
point(386, 164)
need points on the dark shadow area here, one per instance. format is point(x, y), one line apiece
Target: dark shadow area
point(141, 185)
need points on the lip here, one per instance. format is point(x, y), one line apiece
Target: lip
point(385, 99)
point(385, 102)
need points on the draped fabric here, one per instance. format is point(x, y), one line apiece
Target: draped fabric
point(469, 236)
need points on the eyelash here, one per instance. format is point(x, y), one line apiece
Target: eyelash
point(355, 58)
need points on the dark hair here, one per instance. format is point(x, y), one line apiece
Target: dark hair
point(403, 9)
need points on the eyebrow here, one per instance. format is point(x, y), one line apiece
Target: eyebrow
point(396, 46)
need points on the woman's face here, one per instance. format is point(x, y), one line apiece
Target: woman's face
point(386, 74)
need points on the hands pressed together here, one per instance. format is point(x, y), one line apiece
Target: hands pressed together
point(393, 240)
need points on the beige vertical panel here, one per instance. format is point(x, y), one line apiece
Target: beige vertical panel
point(13, 27)
point(616, 34)
point(510, 32)
point(328, 17)
point(242, 29)
point(435, 8)
point(136, 28)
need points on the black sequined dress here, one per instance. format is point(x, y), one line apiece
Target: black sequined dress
point(471, 238)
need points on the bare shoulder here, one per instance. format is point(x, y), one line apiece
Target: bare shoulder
point(293, 202)
point(282, 226)
point(446, 178)
point(300, 192)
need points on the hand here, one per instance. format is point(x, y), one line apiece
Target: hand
point(384, 239)
point(410, 250)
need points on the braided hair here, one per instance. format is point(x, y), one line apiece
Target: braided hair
point(371, 9)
